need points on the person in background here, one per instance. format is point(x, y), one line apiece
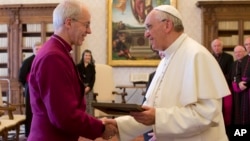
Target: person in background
point(56, 90)
point(86, 69)
point(23, 78)
point(233, 100)
point(242, 105)
point(181, 102)
point(225, 61)
point(239, 52)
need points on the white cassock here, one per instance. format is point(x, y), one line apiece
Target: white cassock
point(187, 92)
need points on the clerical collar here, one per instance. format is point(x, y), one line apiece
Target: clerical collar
point(217, 55)
point(63, 42)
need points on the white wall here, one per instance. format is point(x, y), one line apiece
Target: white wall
point(97, 41)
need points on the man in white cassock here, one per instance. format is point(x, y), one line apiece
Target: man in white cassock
point(184, 99)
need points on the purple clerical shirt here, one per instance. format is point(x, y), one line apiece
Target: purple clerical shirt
point(58, 105)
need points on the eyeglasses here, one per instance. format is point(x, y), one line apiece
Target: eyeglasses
point(238, 51)
point(149, 26)
point(85, 24)
point(247, 44)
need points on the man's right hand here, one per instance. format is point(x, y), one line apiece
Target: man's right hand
point(242, 85)
point(110, 128)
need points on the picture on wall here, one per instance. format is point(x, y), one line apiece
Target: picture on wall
point(127, 45)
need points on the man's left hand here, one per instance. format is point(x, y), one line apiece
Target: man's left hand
point(146, 117)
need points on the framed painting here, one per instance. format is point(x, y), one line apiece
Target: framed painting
point(127, 45)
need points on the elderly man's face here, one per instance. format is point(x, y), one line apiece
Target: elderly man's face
point(155, 31)
point(217, 46)
point(239, 52)
point(79, 28)
point(247, 44)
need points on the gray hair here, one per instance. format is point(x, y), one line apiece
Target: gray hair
point(178, 25)
point(219, 40)
point(66, 9)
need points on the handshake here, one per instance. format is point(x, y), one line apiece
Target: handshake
point(147, 117)
point(110, 128)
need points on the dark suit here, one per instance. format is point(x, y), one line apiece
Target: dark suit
point(23, 78)
point(225, 61)
point(243, 105)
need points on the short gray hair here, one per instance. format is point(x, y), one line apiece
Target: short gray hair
point(66, 9)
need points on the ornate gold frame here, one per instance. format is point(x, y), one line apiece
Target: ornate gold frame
point(138, 36)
